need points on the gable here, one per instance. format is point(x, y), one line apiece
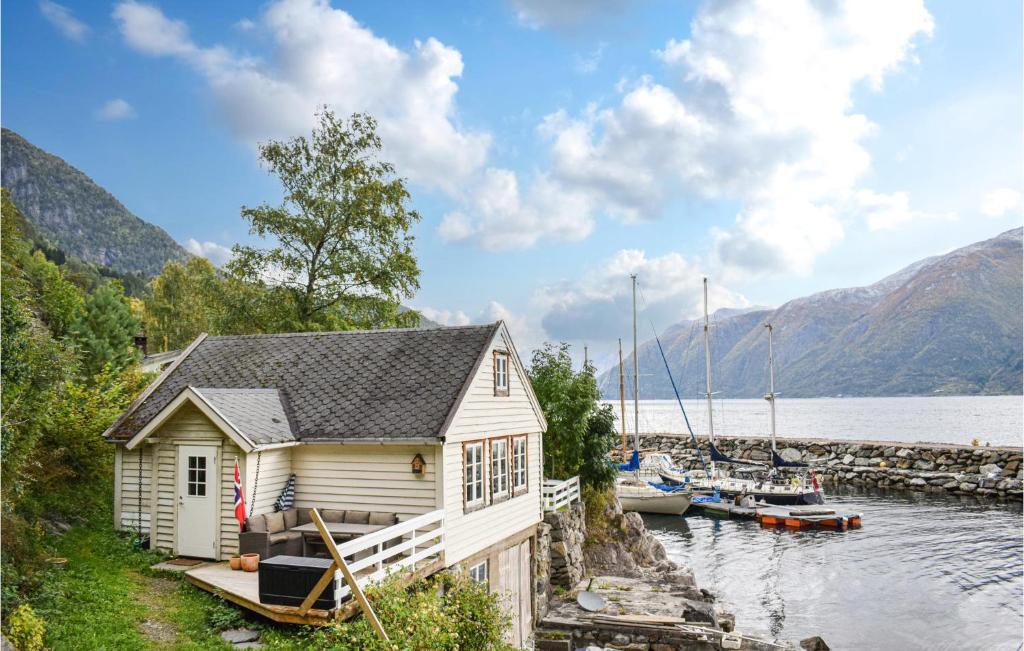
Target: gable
point(482, 413)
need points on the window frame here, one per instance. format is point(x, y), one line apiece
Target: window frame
point(525, 487)
point(473, 569)
point(499, 390)
point(198, 473)
point(502, 495)
point(480, 502)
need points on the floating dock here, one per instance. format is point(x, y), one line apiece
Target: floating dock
point(772, 515)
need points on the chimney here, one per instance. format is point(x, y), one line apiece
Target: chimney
point(140, 343)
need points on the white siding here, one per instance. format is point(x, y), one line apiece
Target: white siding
point(482, 415)
point(189, 424)
point(275, 466)
point(365, 478)
point(129, 483)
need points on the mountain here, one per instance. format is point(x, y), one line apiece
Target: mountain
point(78, 216)
point(949, 324)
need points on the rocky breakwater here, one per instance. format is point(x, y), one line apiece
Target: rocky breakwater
point(988, 472)
point(651, 603)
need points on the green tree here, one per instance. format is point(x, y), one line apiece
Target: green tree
point(105, 332)
point(342, 240)
point(580, 432)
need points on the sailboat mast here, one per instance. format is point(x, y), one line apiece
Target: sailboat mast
point(636, 376)
point(771, 381)
point(622, 400)
point(707, 368)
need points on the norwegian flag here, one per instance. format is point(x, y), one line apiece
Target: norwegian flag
point(814, 481)
point(239, 500)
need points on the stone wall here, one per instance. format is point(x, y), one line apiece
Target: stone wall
point(559, 556)
point(993, 472)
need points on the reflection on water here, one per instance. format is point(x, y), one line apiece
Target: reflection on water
point(924, 572)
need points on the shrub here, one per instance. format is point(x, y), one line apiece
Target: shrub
point(443, 612)
point(25, 630)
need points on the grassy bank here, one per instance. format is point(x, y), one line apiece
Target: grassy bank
point(106, 597)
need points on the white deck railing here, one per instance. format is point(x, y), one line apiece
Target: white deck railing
point(557, 493)
point(414, 540)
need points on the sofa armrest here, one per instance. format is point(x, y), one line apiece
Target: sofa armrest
point(254, 542)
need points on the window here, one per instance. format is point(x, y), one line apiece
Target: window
point(518, 464)
point(197, 476)
point(474, 473)
point(479, 572)
point(500, 374)
point(499, 468)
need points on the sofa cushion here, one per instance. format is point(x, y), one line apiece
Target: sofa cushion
point(275, 522)
point(291, 518)
point(332, 515)
point(357, 517)
point(284, 536)
point(380, 517)
point(304, 516)
point(257, 523)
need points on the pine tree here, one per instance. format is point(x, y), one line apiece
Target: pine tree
point(104, 334)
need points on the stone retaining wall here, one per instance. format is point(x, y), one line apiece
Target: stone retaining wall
point(992, 472)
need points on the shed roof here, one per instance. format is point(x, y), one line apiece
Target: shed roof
point(376, 384)
point(257, 414)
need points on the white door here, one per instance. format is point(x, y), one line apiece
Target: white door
point(198, 493)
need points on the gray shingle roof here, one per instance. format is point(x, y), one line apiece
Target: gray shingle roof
point(380, 384)
point(257, 413)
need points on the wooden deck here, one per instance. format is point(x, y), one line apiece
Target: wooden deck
point(242, 588)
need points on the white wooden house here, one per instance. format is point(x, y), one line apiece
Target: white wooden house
point(437, 423)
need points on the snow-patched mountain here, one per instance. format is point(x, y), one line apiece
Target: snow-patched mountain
point(947, 324)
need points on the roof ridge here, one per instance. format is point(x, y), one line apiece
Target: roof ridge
point(353, 332)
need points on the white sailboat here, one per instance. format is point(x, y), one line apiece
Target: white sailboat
point(635, 493)
point(767, 489)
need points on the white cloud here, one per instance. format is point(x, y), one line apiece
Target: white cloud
point(1000, 202)
point(245, 25)
point(61, 17)
point(218, 254)
point(115, 109)
point(890, 211)
point(564, 14)
point(597, 308)
point(503, 217)
point(321, 55)
point(586, 64)
point(761, 114)
point(445, 317)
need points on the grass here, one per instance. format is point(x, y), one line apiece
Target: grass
point(106, 597)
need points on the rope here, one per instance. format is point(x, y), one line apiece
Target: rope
point(255, 482)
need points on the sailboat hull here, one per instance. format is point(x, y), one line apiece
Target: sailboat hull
point(644, 499)
point(730, 488)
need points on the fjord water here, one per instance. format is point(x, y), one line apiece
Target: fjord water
point(924, 572)
point(947, 419)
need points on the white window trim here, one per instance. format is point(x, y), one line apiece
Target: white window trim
point(501, 373)
point(523, 472)
point(483, 567)
point(468, 479)
point(505, 492)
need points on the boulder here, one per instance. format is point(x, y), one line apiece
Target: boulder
point(848, 460)
point(903, 453)
point(921, 464)
point(917, 481)
point(889, 451)
point(968, 487)
point(990, 469)
point(791, 454)
point(862, 461)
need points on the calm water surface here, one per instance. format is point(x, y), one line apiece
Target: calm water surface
point(924, 572)
point(998, 420)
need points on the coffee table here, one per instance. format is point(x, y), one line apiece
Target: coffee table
point(337, 529)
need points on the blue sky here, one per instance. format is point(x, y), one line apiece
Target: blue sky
point(781, 148)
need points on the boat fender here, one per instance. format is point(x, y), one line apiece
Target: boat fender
point(795, 481)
